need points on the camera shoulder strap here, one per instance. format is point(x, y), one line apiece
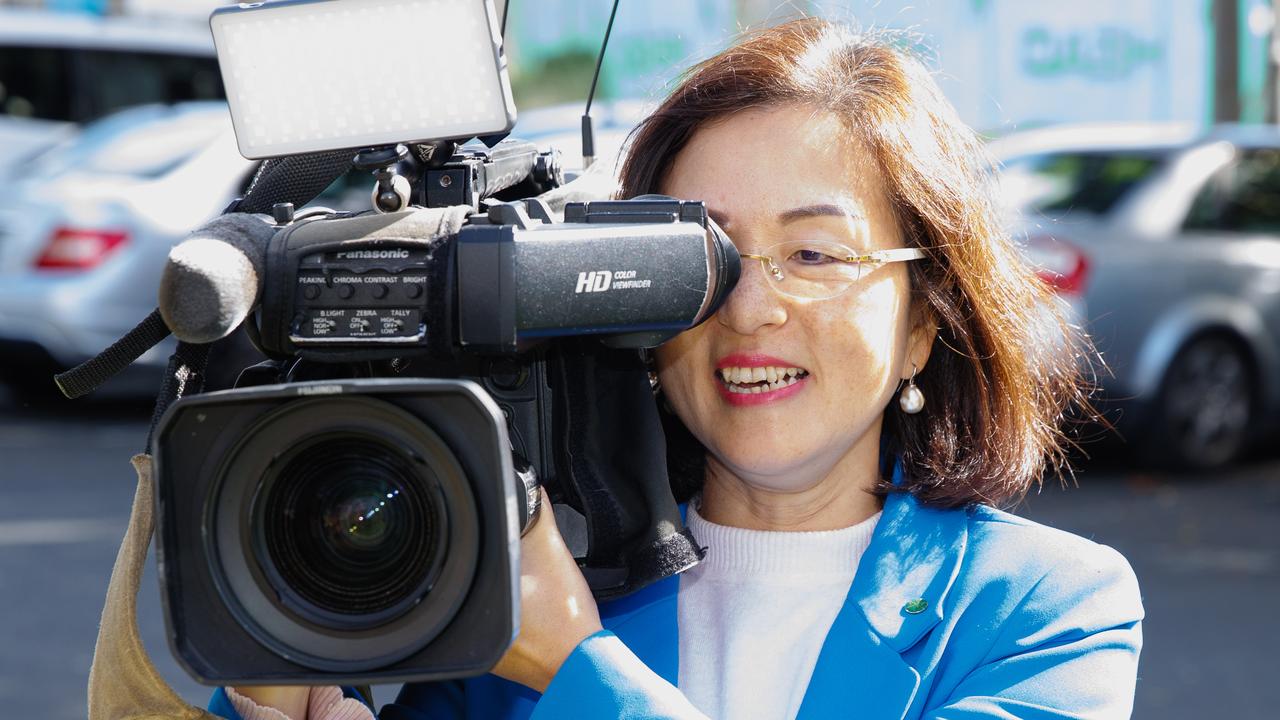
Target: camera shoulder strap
point(296, 179)
point(184, 375)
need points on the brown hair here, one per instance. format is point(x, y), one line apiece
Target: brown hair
point(1006, 365)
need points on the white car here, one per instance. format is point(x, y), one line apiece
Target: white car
point(85, 230)
point(58, 70)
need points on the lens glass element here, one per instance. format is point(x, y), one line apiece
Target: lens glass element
point(352, 528)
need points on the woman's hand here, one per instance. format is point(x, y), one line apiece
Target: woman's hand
point(557, 610)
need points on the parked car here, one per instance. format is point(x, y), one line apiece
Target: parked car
point(59, 70)
point(1170, 237)
point(85, 230)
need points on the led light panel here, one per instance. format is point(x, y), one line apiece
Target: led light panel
point(313, 75)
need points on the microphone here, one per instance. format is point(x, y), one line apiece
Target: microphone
point(213, 279)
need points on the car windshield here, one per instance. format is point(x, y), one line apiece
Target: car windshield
point(1075, 181)
point(144, 142)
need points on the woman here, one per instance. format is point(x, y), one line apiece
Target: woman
point(882, 375)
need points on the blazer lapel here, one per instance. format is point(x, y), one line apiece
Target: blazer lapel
point(896, 597)
point(646, 623)
point(858, 675)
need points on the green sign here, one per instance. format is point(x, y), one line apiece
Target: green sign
point(1107, 53)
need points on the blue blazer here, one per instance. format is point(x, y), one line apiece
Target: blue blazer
point(956, 614)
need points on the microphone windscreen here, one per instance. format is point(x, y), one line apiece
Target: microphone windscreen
point(213, 279)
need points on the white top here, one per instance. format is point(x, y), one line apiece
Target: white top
point(753, 615)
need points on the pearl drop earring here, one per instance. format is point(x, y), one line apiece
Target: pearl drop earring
point(911, 400)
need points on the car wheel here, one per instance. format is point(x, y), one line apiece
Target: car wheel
point(1204, 413)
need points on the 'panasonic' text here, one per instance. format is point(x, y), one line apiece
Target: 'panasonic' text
point(373, 254)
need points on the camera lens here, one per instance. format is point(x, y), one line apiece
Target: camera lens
point(345, 533)
point(353, 527)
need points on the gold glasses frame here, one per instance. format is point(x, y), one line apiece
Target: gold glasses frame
point(874, 259)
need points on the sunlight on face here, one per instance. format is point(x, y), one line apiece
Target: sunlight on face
point(783, 390)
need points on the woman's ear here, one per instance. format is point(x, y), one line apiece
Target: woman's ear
point(924, 331)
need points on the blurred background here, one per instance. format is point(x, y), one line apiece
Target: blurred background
point(1138, 162)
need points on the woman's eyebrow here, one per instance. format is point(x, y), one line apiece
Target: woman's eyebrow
point(821, 210)
point(799, 213)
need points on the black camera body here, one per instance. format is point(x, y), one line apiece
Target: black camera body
point(351, 512)
point(275, 563)
point(346, 293)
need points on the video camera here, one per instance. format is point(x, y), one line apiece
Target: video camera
point(351, 511)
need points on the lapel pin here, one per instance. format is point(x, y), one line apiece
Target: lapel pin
point(915, 607)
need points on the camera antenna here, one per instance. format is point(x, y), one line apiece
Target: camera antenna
point(506, 10)
point(588, 134)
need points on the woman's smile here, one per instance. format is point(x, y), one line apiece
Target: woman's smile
point(747, 379)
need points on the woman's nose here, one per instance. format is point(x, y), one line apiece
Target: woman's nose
point(753, 304)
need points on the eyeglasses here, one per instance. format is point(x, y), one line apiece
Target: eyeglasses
point(816, 270)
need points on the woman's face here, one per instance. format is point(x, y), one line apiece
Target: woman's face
point(770, 176)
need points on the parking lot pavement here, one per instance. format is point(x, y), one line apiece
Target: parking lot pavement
point(65, 492)
point(1206, 551)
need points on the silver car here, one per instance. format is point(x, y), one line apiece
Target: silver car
point(1170, 239)
point(85, 230)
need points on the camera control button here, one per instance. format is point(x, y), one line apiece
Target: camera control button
point(413, 291)
point(379, 291)
point(346, 291)
point(311, 292)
